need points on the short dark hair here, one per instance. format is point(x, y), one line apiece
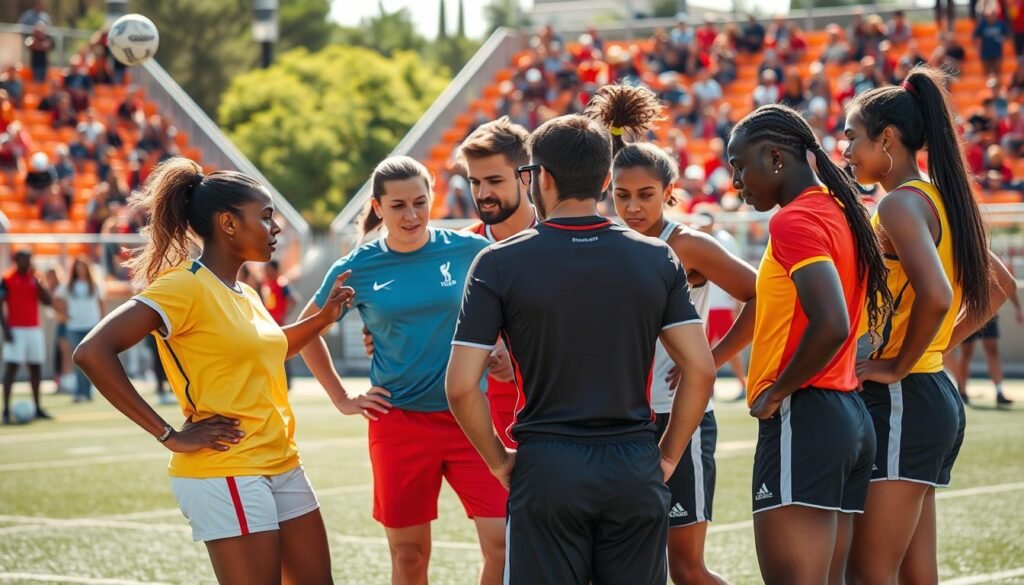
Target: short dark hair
point(273, 264)
point(500, 136)
point(578, 153)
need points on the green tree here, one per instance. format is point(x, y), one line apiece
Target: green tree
point(304, 23)
point(461, 32)
point(317, 123)
point(386, 33)
point(442, 22)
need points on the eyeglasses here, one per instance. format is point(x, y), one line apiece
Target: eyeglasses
point(525, 173)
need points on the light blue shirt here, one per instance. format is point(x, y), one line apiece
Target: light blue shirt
point(410, 303)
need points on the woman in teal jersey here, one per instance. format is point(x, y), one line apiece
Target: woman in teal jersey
point(409, 285)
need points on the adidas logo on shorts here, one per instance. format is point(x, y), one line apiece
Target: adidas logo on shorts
point(678, 511)
point(763, 494)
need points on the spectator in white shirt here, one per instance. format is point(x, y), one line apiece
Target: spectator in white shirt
point(84, 297)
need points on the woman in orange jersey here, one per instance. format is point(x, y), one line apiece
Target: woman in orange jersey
point(816, 445)
point(235, 469)
point(937, 254)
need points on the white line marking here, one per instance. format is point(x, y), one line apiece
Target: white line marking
point(47, 578)
point(58, 435)
point(977, 491)
point(987, 578)
point(154, 456)
point(382, 541)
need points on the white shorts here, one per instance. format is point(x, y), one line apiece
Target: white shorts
point(27, 346)
point(224, 507)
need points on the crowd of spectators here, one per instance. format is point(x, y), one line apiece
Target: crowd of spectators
point(109, 144)
point(693, 66)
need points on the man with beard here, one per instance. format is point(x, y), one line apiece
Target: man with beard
point(588, 500)
point(490, 155)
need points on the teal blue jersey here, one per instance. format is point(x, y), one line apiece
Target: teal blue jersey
point(410, 304)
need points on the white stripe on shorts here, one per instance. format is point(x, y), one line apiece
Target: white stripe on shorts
point(895, 430)
point(698, 474)
point(508, 534)
point(786, 453)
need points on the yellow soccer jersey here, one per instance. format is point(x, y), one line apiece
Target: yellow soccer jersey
point(224, 354)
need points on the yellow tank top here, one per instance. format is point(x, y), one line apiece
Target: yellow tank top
point(894, 328)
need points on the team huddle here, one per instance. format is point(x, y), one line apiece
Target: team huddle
point(554, 366)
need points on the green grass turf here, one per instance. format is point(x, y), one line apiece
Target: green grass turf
point(91, 465)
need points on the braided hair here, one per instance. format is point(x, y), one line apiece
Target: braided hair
point(784, 127)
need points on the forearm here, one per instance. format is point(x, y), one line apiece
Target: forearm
point(815, 350)
point(922, 326)
point(688, 407)
point(739, 335)
point(104, 369)
point(1003, 286)
point(302, 332)
point(470, 408)
point(318, 360)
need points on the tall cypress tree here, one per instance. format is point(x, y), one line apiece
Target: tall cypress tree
point(442, 23)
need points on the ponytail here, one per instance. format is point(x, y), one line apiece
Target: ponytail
point(632, 110)
point(181, 204)
point(368, 221)
point(625, 110)
point(922, 112)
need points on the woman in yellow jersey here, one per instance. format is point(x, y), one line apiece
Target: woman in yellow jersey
point(932, 235)
point(815, 443)
point(235, 468)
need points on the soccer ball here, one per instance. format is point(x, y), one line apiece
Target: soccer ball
point(133, 39)
point(23, 412)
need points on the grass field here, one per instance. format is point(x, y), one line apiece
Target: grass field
point(86, 499)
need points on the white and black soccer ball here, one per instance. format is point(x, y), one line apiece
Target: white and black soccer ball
point(133, 39)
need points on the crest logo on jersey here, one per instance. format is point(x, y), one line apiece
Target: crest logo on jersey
point(446, 275)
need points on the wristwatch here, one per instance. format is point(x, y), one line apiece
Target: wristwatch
point(168, 431)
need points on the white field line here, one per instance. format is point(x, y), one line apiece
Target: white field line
point(155, 455)
point(48, 578)
point(59, 435)
point(986, 578)
point(35, 523)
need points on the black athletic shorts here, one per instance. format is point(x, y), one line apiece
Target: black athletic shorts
point(815, 451)
point(988, 331)
point(693, 483)
point(589, 511)
point(919, 424)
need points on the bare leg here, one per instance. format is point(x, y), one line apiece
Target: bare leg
point(35, 376)
point(920, 565)
point(410, 554)
point(253, 559)
point(795, 544)
point(995, 363)
point(882, 534)
point(491, 532)
point(841, 554)
point(305, 556)
point(10, 371)
point(686, 556)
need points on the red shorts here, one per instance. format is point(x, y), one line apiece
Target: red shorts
point(410, 452)
point(502, 397)
point(719, 322)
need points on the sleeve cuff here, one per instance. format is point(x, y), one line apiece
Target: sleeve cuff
point(471, 344)
point(165, 332)
point(687, 322)
point(807, 262)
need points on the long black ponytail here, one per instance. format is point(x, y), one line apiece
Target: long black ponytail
point(921, 110)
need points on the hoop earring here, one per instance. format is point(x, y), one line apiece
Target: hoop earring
point(886, 173)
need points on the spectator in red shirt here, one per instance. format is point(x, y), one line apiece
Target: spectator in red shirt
point(995, 160)
point(20, 296)
point(706, 36)
point(279, 299)
point(899, 29)
point(1013, 131)
point(11, 162)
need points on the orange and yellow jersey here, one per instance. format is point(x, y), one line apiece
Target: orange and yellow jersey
point(224, 354)
point(894, 329)
point(810, 229)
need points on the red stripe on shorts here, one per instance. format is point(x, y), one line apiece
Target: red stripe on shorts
point(237, 501)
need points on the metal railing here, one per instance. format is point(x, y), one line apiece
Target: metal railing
point(495, 54)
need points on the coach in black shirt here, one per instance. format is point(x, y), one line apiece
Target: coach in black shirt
point(579, 303)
